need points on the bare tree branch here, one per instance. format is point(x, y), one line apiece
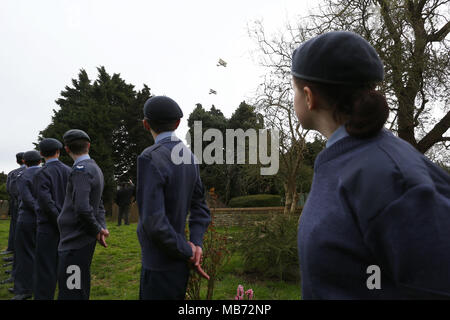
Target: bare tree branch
point(441, 34)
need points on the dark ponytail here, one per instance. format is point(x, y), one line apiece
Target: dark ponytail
point(362, 109)
point(369, 112)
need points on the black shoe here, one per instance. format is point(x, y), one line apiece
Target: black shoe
point(8, 259)
point(11, 290)
point(9, 280)
point(6, 252)
point(22, 297)
point(7, 264)
point(8, 271)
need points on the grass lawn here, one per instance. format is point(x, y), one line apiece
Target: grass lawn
point(115, 271)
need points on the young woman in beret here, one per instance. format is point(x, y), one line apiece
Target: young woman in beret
point(376, 224)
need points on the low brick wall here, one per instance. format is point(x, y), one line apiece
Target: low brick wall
point(224, 217)
point(240, 217)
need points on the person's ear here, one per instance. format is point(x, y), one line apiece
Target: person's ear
point(146, 125)
point(309, 98)
point(89, 146)
point(67, 149)
point(177, 124)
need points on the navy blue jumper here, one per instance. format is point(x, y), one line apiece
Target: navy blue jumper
point(81, 219)
point(25, 235)
point(166, 193)
point(50, 184)
point(375, 202)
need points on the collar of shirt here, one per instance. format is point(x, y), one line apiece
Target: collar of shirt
point(23, 165)
point(337, 135)
point(51, 160)
point(33, 167)
point(164, 135)
point(81, 158)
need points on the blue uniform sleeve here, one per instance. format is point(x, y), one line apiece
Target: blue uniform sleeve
point(45, 198)
point(154, 219)
point(81, 195)
point(101, 215)
point(411, 239)
point(26, 194)
point(200, 216)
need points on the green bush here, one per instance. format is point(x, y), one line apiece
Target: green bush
point(270, 248)
point(3, 194)
point(257, 200)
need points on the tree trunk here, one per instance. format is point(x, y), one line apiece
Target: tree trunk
point(405, 118)
point(228, 185)
point(290, 188)
point(295, 198)
point(288, 198)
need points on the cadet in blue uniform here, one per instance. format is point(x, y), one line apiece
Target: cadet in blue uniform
point(81, 221)
point(50, 184)
point(376, 223)
point(11, 188)
point(165, 194)
point(25, 235)
point(13, 205)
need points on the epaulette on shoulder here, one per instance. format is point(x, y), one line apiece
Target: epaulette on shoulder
point(79, 168)
point(148, 152)
point(154, 147)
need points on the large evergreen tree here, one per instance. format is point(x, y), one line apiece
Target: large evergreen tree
point(110, 111)
point(231, 180)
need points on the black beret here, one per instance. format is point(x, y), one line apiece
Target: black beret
point(49, 145)
point(32, 155)
point(19, 156)
point(338, 57)
point(162, 108)
point(75, 134)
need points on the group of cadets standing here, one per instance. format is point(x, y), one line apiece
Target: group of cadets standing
point(57, 215)
point(60, 215)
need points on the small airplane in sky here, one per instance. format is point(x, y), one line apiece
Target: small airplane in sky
point(211, 91)
point(221, 63)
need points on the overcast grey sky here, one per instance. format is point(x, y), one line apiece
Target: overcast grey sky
point(172, 46)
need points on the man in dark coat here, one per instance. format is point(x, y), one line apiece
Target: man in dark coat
point(124, 197)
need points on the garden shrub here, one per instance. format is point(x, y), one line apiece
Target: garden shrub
point(216, 254)
point(256, 200)
point(270, 248)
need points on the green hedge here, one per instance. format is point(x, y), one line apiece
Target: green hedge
point(257, 200)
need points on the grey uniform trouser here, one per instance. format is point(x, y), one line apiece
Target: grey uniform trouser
point(25, 246)
point(12, 224)
point(46, 264)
